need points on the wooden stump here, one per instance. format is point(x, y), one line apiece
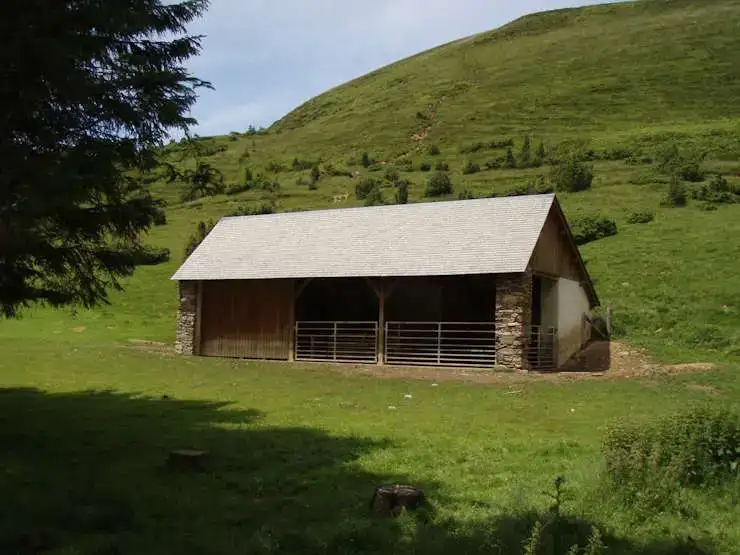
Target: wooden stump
point(187, 460)
point(390, 500)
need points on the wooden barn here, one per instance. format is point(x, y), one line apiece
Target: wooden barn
point(487, 282)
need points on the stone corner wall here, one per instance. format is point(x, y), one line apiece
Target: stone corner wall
point(187, 315)
point(512, 320)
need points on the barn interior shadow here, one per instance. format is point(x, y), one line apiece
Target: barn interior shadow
point(84, 473)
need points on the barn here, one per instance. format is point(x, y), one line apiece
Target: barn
point(484, 283)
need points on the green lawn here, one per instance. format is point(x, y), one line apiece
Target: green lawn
point(295, 452)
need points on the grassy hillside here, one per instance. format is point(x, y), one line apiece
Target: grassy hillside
point(623, 80)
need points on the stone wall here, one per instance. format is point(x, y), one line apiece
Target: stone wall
point(512, 319)
point(187, 315)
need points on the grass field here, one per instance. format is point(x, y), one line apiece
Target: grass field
point(295, 453)
point(297, 450)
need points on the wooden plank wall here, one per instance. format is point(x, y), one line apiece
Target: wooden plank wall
point(554, 254)
point(247, 319)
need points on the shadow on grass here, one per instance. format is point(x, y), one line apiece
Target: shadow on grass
point(84, 473)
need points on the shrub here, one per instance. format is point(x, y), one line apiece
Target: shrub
point(402, 191)
point(509, 161)
point(496, 164)
point(537, 186)
point(236, 188)
point(267, 207)
point(676, 194)
point(717, 191)
point(466, 194)
point(641, 217)
point(470, 168)
point(366, 161)
point(441, 166)
point(391, 174)
point(501, 143)
point(315, 174)
point(475, 147)
point(151, 256)
point(425, 166)
point(696, 447)
point(592, 228)
point(201, 231)
point(686, 166)
point(363, 188)
point(160, 218)
point(374, 197)
point(300, 165)
point(275, 167)
point(433, 150)
point(438, 185)
point(572, 175)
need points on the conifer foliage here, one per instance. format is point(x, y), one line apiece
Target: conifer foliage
point(88, 90)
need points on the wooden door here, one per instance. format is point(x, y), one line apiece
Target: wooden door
point(246, 319)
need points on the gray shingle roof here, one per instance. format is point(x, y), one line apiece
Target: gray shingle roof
point(479, 236)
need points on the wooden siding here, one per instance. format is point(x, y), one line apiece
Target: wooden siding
point(247, 319)
point(554, 254)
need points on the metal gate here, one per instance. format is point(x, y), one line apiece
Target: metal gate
point(336, 341)
point(440, 343)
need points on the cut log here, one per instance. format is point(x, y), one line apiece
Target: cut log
point(187, 460)
point(391, 499)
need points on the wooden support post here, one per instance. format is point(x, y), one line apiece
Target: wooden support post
point(291, 324)
point(381, 323)
point(198, 319)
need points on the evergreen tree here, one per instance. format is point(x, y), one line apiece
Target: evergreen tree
point(541, 153)
point(402, 192)
point(89, 90)
point(510, 161)
point(526, 154)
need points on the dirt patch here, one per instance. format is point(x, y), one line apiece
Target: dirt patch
point(154, 347)
point(600, 360)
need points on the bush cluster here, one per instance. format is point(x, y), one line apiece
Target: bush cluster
point(677, 195)
point(572, 175)
point(300, 165)
point(538, 186)
point(438, 185)
point(592, 228)
point(641, 217)
point(441, 166)
point(425, 166)
point(682, 165)
point(391, 174)
point(470, 167)
point(364, 187)
point(433, 150)
point(694, 448)
point(717, 191)
point(402, 191)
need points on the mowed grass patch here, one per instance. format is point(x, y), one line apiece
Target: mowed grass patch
point(296, 450)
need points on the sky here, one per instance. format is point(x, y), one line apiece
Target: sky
point(266, 57)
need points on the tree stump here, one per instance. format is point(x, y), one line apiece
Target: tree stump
point(391, 499)
point(187, 460)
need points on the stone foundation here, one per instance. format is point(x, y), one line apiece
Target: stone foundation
point(187, 318)
point(512, 320)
